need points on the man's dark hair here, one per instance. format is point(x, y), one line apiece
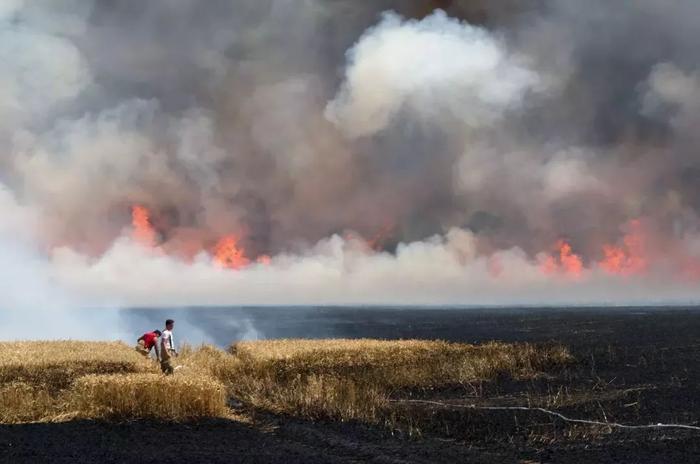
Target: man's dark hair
point(169, 321)
point(157, 332)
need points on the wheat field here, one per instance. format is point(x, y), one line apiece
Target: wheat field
point(55, 365)
point(353, 379)
point(398, 362)
point(338, 379)
point(52, 381)
point(129, 396)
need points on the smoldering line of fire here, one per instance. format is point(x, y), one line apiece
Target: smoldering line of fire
point(348, 270)
point(627, 259)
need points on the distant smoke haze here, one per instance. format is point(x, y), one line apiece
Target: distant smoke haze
point(349, 151)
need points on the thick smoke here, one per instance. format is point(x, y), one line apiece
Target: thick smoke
point(359, 152)
point(434, 69)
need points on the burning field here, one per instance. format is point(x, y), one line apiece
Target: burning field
point(340, 152)
point(344, 152)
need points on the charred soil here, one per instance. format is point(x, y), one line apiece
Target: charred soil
point(632, 367)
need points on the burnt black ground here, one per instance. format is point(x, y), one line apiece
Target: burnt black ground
point(217, 442)
point(635, 365)
point(581, 326)
point(292, 442)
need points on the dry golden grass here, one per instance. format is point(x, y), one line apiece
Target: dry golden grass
point(353, 379)
point(22, 402)
point(287, 348)
point(130, 396)
point(55, 365)
point(47, 381)
point(343, 379)
point(209, 360)
point(402, 363)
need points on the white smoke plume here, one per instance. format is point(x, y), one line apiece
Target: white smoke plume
point(434, 68)
point(440, 270)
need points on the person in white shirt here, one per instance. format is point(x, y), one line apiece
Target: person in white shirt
point(167, 348)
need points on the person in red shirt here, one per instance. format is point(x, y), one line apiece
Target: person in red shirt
point(148, 341)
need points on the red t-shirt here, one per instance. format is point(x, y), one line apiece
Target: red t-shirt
point(149, 339)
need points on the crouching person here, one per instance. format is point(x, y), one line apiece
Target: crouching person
point(167, 348)
point(147, 342)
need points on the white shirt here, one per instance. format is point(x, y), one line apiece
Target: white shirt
point(167, 340)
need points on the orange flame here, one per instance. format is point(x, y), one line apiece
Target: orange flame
point(228, 254)
point(143, 232)
point(264, 259)
point(570, 262)
point(567, 262)
point(629, 258)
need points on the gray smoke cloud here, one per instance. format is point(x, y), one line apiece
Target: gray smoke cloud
point(377, 152)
